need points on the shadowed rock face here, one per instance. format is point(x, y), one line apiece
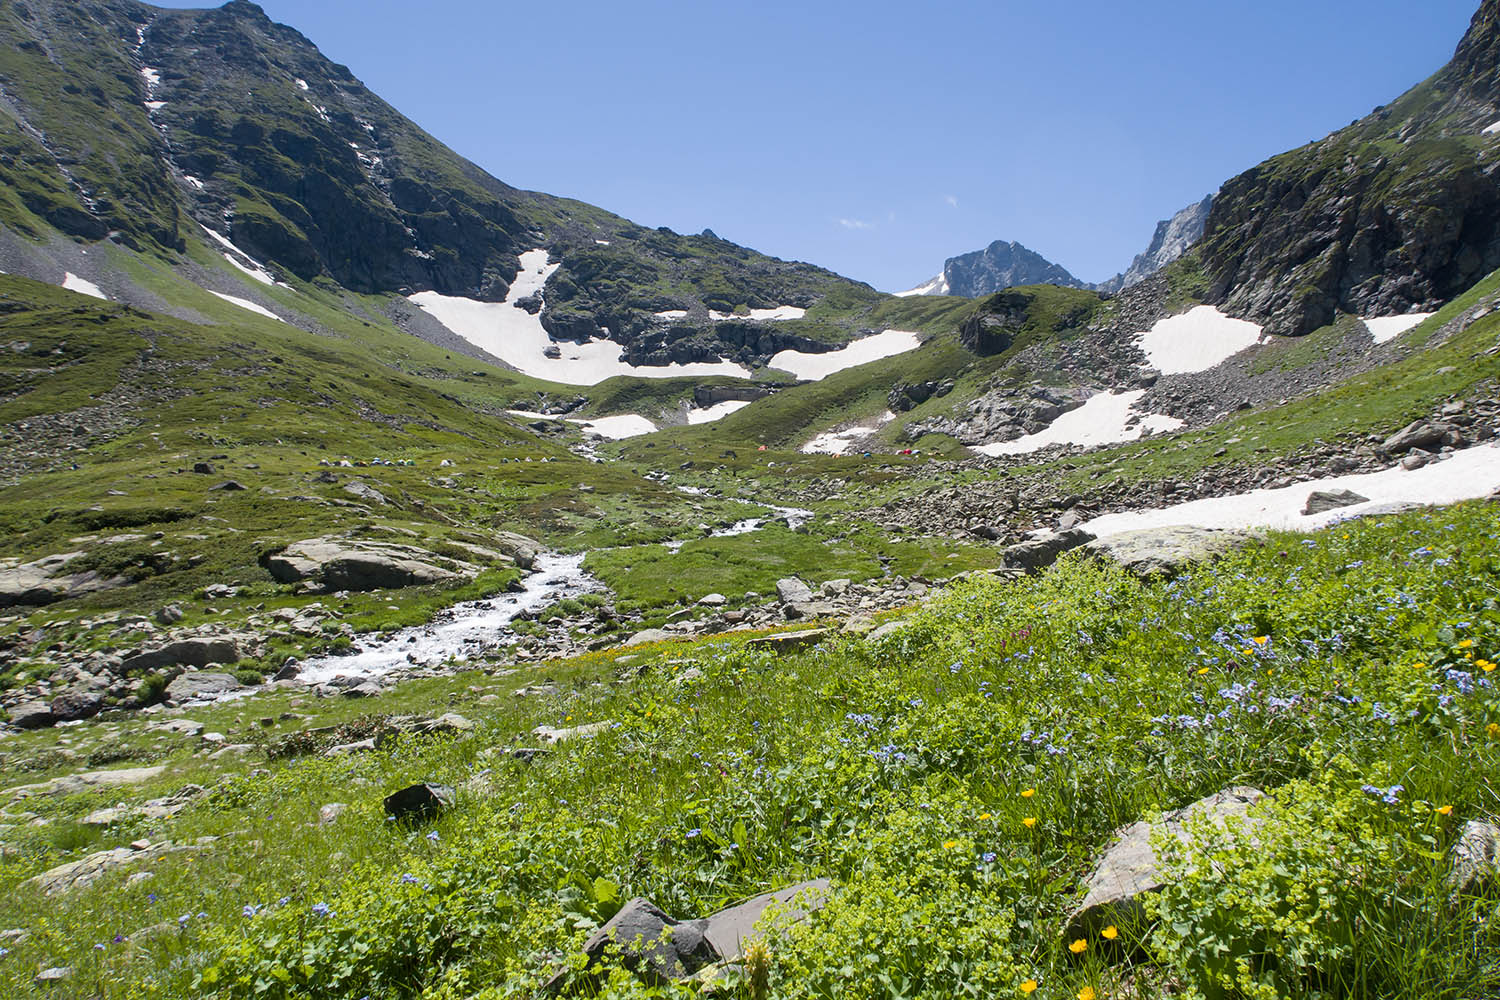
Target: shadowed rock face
point(1000, 266)
point(1396, 213)
point(1173, 238)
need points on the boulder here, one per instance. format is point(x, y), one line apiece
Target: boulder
point(86, 871)
point(197, 651)
point(731, 931)
point(77, 703)
point(1130, 868)
point(807, 610)
point(364, 491)
point(655, 947)
point(1419, 434)
point(359, 565)
point(70, 784)
point(1164, 551)
point(451, 724)
point(47, 580)
point(549, 736)
point(520, 548)
point(1322, 501)
point(193, 686)
point(1476, 856)
point(713, 600)
point(419, 802)
point(1042, 550)
point(789, 642)
point(32, 715)
point(793, 591)
point(650, 635)
point(171, 614)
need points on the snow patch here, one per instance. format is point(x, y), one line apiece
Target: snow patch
point(153, 77)
point(518, 338)
point(816, 367)
point(1104, 419)
point(617, 428)
point(301, 84)
point(777, 315)
point(242, 260)
point(937, 286)
point(602, 243)
point(195, 182)
point(1493, 129)
point(718, 411)
point(247, 304)
point(74, 283)
point(841, 441)
point(155, 105)
point(1466, 475)
point(671, 314)
point(1386, 328)
point(1197, 340)
point(254, 272)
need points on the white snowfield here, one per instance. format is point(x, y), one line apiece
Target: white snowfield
point(617, 428)
point(254, 307)
point(518, 338)
point(718, 411)
point(1385, 328)
point(937, 286)
point(777, 315)
point(840, 442)
point(153, 77)
point(243, 261)
point(1493, 129)
point(671, 314)
point(1101, 420)
point(1466, 475)
point(816, 367)
point(74, 283)
point(1197, 340)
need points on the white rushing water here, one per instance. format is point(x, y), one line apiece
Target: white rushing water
point(795, 517)
point(460, 632)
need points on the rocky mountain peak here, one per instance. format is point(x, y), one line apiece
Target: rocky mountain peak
point(1477, 60)
point(1003, 265)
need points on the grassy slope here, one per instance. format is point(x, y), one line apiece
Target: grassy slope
point(897, 768)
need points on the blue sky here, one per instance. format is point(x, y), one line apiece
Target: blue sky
point(879, 138)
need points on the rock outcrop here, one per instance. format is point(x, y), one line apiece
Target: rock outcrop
point(350, 564)
point(48, 579)
point(1165, 551)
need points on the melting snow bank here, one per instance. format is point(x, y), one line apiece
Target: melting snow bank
point(816, 367)
point(618, 428)
point(74, 283)
point(460, 632)
point(517, 337)
point(718, 411)
point(1385, 328)
point(1197, 340)
point(937, 286)
point(795, 517)
point(1466, 475)
point(254, 307)
point(1104, 419)
point(841, 441)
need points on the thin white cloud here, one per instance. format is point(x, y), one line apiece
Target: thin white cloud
point(951, 199)
point(856, 224)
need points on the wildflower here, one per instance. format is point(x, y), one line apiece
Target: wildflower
point(1445, 810)
point(1029, 987)
point(98, 947)
point(1493, 729)
point(1261, 640)
point(1079, 947)
point(322, 910)
point(949, 845)
point(988, 857)
point(1202, 671)
point(182, 921)
point(1028, 793)
point(694, 833)
point(119, 939)
point(1485, 665)
point(984, 816)
point(1030, 822)
point(433, 837)
point(250, 910)
point(1087, 993)
point(1466, 644)
point(1110, 933)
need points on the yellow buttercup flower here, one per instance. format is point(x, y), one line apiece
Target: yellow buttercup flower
point(949, 845)
point(1493, 729)
point(1445, 810)
point(1466, 644)
point(1486, 666)
point(1087, 993)
point(1030, 822)
point(984, 815)
point(1261, 640)
point(1202, 671)
point(1029, 987)
point(1028, 793)
point(1110, 933)
point(1078, 947)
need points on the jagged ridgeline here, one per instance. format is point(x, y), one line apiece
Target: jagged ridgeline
point(134, 124)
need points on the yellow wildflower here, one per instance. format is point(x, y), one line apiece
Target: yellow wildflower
point(1110, 933)
point(1030, 822)
point(1087, 993)
point(1078, 947)
point(1261, 640)
point(1202, 671)
point(1493, 729)
point(1466, 644)
point(949, 845)
point(1486, 666)
point(1028, 793)
point(1029, 987)
point(1445, 810)
point(984, 816)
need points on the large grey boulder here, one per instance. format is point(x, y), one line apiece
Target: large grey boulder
point(655, 947)
point(793, 591)
point(70, 784)
point(359, 565)
point(77, 703)
point(1418, 434)
point(1130, 868)
point(84, 872)
point(47, 580)
point(733, 930)
point(1476, 856)
point(1043, 550)
point(32, 715)
point(196, 686)
point(1322, 501)
point(1166, 551)
point(518, 547)
point(194, 651)
point(789, 642)
point(415, 803)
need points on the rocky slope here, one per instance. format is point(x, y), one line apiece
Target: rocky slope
point(1398, 212)
point(999, 266)
point(139, 124)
